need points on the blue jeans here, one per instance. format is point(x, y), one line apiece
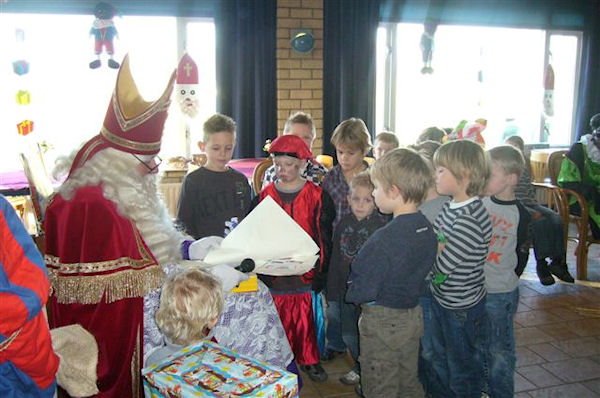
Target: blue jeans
point(342, 327)
point(501, 357)
point(459, 346)
point(426, 375)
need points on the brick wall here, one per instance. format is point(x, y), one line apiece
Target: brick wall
point(300, 76)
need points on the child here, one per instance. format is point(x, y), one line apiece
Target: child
point(28, 364)
point(351, 233)
point(313, 210)
point(384, 142)
point(352, 141)
point(190, 304)
point(547, 227)
point(432, 134)
point(388, 277)
point(301, 125)
point(431, 208)
point(215, 193)
point(506, 260)
point(464, 230)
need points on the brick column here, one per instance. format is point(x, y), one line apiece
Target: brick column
point(300, 76)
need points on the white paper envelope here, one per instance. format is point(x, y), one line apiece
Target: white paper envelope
point(270, 237)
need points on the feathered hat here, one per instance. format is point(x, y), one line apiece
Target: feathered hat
point(131, 124)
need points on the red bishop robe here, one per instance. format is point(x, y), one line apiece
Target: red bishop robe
point(100, 269)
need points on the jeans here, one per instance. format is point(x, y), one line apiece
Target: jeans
point(459, 346)
point(501, 357)
point(342, 327)
point(426, 374)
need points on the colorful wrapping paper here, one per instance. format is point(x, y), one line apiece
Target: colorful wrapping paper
point(206, 369)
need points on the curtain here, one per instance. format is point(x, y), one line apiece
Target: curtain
point(349, 44)
point(589, 90)
point(246, 72)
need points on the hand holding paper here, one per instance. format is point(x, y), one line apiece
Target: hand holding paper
point(270, 237)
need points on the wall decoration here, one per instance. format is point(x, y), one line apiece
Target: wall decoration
point(427, 44)
point(187, 86)
point(25, 127)
point(104, 31)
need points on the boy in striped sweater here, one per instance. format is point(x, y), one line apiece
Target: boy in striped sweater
point(457, 283)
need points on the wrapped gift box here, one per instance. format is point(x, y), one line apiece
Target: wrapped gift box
point(209, 370)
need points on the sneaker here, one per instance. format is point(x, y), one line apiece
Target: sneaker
point(559, 268)
point(330, 354)
point(543, 273)
point(358, 390)
point(315, 372)
point(351, 378)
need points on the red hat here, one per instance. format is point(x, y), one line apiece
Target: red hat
point(290, 145)
point(187, 70)
point(131, 124)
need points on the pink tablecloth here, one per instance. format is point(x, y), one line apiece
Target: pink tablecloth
point(245, 166)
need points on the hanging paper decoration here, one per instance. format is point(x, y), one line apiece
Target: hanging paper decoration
point(23, 97)
point(187, 86)
point(549, 91)
point(104, 31)
point(21, 67)
point(471, 131)
point(427, 44)
point(25, 127)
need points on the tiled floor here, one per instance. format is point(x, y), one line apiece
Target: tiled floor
point(557, 334)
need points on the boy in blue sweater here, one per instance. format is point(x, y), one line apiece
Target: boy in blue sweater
point(387, 278)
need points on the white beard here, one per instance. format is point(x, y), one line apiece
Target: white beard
point(135, 196)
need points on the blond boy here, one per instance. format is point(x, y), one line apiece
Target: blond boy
point(352, 141)
point(190, 304)
point(506, 260)
point(215, 193)
point(464, 230)
point(388, 277)
point(352, 232)
point(384, 142)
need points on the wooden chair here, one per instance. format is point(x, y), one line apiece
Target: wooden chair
point(560, 202)
point(259, 173)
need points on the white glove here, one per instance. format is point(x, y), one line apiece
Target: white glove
point(200, 248)
point(229, 276)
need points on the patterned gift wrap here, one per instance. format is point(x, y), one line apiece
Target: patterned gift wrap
point(206, 369)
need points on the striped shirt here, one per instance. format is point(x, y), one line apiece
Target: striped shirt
point(524, 191)
point(465, 231)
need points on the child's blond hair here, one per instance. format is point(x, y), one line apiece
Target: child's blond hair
point(362, 179)
point(509, 158)
point(352, 133)
point(218, 123)
point(388, 138)
point(190, 301)
point(300, 118)
point(407, 170)
point(465, 159)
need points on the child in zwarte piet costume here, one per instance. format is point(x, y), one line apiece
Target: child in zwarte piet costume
point(312, 208)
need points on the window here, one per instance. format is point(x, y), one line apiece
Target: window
point(479, 72)
point(69, 100)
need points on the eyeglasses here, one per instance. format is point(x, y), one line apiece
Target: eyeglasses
point(157, 162)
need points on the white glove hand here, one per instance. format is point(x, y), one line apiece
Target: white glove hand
point(229, 276)
point(200, 248)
